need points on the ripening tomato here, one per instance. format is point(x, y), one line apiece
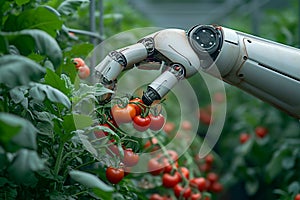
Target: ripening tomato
point(157, 122)
point(78, 62)
point(113, 149)
point(130, 158)
point(83, 72)
point(123, 114)
point(179, 191)
point(184, 171)
point(138, 104)
point(169, 180)
point(156, 197)
point(154, 167)
point(261, 132)
point(205, 117)
point(114, 175)
point(141, 123)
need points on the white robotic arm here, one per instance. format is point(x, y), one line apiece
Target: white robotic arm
point(267, 70)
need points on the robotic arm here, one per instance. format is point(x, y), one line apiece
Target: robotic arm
point(265, 69)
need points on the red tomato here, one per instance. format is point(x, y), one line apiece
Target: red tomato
point(114, 175)
point(261, 131)
point(148, 143)
point(205, 117)
point(184, 171)
point(156, 197)
point(196, 196)
point(209, 159)
point(186, 125)
point(168, 167)
point(179, 191)
point(169, 127)
point(123, 115)
point(205, 167)
point(244, 137)
point(101, 133)
point(154, 167)
point(169, 180)
point(219, 97)
point(297, 197)
point(113, 150)
point(130, 158)
point(138, 105)
point(157, 122)
point(78, 62)
point(83, 72)
point(141, 123)
point(216, 187)
point(212, 177)
point(199, 183)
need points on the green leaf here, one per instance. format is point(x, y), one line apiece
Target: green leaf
point(16, 131)
point(275, 165)
point(90, 180)
point(55, 81)
point(39, 41)
point(40, 92)
point(23, 167)
point(39, 18)
point(21, 2)
point(18, 70)
point(17, 94)
point(3, 45)
point(69, 7)
point(82, 121)
point(294, 188)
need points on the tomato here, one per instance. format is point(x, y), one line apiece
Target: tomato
point(173, 154)
point(169, 127)
point(114, 175)
point(168, 166)
point(83, 72)
point(127, 170)
point(101, 133)
point(209, 159)
point(205, 167)
point(169, 180)
point(154, 167)
point(130, 158)
point(244, 137)
point(123, 115)
point(141, 123)
point(216, 187)
point(138, 105)
point(199, 183)
point(157, 122)
point(261, 132)
point(212, 177)
point(78, 62)
point(179, 191)
point(297, 197)
point(183, 171)
point(149, 143)
point(156, 197)
point(205, 117)
point(113, 149)
point(186, 125)
point(219, 97)
point(196, 196)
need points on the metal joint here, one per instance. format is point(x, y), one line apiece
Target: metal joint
point(149, 45)
point(177, 70)
point(118, 57)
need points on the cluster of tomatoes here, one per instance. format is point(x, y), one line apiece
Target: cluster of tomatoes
point(138, 114)
point(260, 132)
point(82, 68)
point(178, 179)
